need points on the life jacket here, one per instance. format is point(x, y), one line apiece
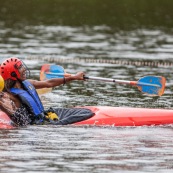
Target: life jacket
point(29, 97)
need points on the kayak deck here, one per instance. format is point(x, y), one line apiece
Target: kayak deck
point(125, 116)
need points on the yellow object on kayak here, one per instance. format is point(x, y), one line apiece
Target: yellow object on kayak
point(1, 83)
point(52, 116)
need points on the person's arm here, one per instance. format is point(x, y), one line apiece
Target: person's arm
point(7, 104)
point(56, 81)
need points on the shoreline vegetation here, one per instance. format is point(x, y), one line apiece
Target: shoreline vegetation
point(120, 14)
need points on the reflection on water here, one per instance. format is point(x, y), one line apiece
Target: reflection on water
point(84, 42)
point(86, 149)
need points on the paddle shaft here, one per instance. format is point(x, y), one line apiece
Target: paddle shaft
point(97, 78)
point(135, 83)
point(111, 80)
point(120, 81)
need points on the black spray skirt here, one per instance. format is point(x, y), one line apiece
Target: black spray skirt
point(70, 115)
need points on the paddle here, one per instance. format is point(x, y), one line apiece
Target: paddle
point(150, 85)
point(45, 69)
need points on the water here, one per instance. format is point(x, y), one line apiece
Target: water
point(101, 42)
point(86, 149)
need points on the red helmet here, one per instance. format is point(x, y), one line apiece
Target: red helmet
point(9, 68)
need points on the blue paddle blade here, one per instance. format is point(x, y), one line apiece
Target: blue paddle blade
point(152, 85)
point(55, 69)
point(47, 71)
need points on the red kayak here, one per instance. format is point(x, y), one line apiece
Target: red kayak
point(125, 116)
point(116, 116)
point(5, 121)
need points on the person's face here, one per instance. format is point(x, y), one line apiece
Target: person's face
point(22, 70)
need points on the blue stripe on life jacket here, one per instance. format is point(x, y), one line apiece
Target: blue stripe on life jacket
point(29, 97)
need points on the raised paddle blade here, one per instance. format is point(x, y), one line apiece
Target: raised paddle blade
point(149, 85)
point(45, 69)
point(152, 85)
point(48, 71)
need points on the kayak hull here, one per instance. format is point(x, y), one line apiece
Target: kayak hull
point(115, 116)
point(125, 116)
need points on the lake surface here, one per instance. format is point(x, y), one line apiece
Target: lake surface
point(116, 39)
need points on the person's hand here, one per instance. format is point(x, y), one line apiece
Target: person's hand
point(80, 76)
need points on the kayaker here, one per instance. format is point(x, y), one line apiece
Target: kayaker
point(26, 106)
